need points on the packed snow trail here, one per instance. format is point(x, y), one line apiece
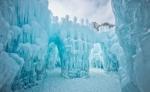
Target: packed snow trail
point(98, 81)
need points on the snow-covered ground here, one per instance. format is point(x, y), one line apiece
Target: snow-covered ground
point(98, 81)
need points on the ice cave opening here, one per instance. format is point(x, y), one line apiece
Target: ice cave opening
point(96, 58)
point(40, 52)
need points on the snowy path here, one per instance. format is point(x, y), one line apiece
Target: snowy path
point(98, 82)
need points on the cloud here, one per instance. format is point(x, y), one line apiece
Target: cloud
point(94, 10)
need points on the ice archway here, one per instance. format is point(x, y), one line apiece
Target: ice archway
point(96, 58)
point(75, 46)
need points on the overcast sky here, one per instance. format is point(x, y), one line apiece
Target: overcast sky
point(94, 10)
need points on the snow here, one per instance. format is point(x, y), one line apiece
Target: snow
point(99, 81)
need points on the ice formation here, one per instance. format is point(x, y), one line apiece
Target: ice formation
point(132, 28)
point(33, 42)
point(37, 42)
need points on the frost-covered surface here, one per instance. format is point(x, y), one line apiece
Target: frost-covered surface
point(99, 81)
point(132, 27)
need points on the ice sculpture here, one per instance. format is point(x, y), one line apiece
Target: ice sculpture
point(132, 27)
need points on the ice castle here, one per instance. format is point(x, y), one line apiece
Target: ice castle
point(33, 43)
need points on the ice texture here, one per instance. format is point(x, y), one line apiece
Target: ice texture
point(132, 28)
point(38, 42)
point(22, 29)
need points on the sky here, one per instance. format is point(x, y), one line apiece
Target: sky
point(94, 10)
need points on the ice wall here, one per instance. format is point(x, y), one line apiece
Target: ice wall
point(77, 41)
point(132, 27)
point(35, 42)
point(23, 39)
